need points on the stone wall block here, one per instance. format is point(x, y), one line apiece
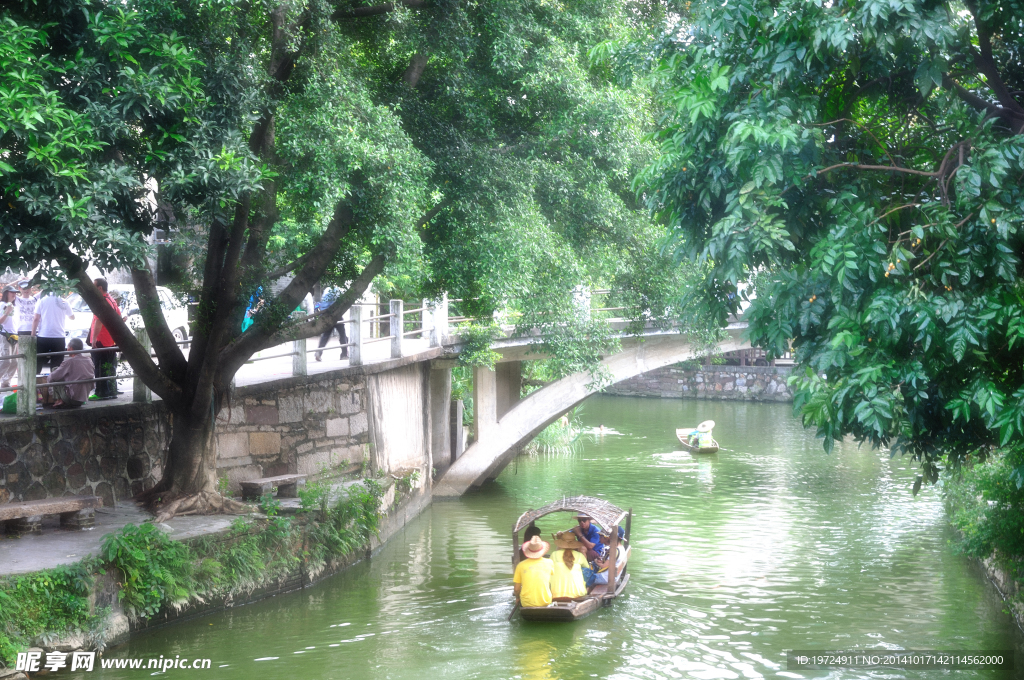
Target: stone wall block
point(312, 463)
point(232, 445)
point(337, 427)
point(349, 403)
point(319, 400)
point(357, 424)
point(261, 415)
point(290, 407)
point(264, 443)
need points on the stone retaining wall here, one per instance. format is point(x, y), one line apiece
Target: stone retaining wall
point(300, 424)
point(743, 383)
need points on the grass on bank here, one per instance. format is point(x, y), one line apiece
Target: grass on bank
point(986, 505)
point(153, 571)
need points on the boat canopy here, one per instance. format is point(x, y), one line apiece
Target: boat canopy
point(604, 513)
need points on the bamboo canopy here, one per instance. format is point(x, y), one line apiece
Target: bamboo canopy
point(604, 513)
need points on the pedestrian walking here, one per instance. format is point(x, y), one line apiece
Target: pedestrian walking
point(326, 300)
point(105, 361)
point(8, 344)
point(49, 327)
point(25, 307)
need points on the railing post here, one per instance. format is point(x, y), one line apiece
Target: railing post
point(299, 356)
point(140, 392)
point(439, 321)
point(397, 329)
point(355, 337)
point(427, 321)
point(27, 376)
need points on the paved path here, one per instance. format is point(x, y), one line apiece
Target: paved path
point(260, 370)
point(56, 546)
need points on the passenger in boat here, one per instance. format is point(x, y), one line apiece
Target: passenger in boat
point(568, 561)
point(531, 531)
point(532, 579)
point(589, 535)
point(603, 564)
point(702, 435)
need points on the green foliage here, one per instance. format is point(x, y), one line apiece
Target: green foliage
point(476, 344)
point(843, 167)
point(153, 569)
point(562, 437)
point(52, 601)
point(348, 526)
point(987, 506)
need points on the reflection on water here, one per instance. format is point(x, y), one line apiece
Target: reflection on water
point(767, 546)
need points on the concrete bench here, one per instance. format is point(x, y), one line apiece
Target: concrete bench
point(287, 486)
point(76, 512)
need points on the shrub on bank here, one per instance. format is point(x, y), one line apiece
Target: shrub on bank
point(986, 502)
point(153, 571)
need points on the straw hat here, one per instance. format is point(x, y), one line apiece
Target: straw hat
point(583, 515)
point(567, 540)
point(706, 426)
point(535, 547)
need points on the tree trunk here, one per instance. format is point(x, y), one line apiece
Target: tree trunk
point(191, 454)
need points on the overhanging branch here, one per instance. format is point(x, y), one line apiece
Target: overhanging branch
point(375, 10)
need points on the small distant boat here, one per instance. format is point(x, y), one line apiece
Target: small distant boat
point(608, 517)
point(683, 434)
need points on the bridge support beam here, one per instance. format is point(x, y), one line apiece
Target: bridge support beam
point(485, 403)
point(440, 416)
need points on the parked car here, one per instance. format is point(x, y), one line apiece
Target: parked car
point(174, 311)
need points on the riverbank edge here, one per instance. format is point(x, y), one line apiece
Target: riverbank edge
point(1002, 579)
point(118, 628)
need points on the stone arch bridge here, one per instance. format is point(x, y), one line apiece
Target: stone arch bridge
point(504, 422)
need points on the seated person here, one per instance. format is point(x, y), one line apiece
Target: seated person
point(589, 535)
point(603, 563)
point(77, 366)
point(567, 580)
point(531, 531)
point(533, 575)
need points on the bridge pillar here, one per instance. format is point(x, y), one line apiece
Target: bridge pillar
point(485, 403)
point(440, 420)
point(509, 385)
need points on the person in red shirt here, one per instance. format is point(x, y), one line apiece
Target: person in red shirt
point(105, 363)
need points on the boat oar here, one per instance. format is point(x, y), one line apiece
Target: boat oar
point(515, 608)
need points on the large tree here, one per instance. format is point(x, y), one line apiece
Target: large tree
point(860, 164)
point(452, 146)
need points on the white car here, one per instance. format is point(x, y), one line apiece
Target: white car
point(174, 311)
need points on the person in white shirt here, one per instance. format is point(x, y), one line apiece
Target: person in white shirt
point(49, 327)
point(25, 308)
point(8, 367)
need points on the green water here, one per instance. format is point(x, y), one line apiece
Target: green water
point(771, 545)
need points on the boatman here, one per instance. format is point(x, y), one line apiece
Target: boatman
point(532, 579)
point(589, 535)
point(702, 435)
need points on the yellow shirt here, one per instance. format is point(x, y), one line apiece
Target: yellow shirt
point(535, 576)
point(567, 582)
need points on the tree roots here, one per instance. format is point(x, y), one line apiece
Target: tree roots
point(202, 503)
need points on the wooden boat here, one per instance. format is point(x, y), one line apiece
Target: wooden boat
point(683, 434)
point(606, 516)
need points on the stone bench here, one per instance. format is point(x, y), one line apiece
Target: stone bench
point(287, 486)
point(76, 512)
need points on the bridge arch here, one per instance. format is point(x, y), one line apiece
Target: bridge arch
point(497, 445)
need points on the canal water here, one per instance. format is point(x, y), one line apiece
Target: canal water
point(769, 545)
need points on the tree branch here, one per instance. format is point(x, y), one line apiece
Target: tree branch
point(412, 74)
point(128, 345)
point(433, 212)
point(242, 347)
point(375, 10)
point(890, 168)
point(1014, 119)
point(987, 65)
point(168, 352)
point(330, 316)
